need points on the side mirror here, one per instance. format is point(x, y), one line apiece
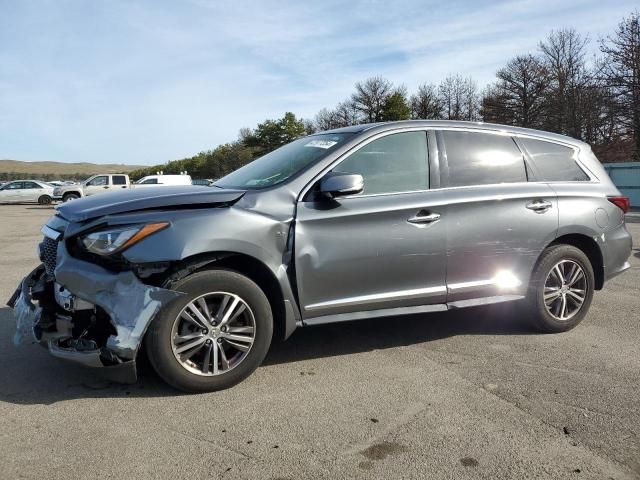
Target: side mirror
point(336, 184)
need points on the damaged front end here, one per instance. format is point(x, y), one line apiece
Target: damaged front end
point(84, 312)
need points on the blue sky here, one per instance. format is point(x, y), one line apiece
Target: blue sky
point(144, 82)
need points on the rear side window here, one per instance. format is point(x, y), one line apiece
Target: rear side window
point(476, 158)
point(553, 162)
point(119, 180)
point(150, 181)
point(391, 164)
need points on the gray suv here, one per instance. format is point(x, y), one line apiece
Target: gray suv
point(355, 223)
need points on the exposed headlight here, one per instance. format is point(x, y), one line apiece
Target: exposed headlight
point(106, 242)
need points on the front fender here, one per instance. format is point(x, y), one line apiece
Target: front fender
point(230, 230)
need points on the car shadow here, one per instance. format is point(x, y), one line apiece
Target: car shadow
point(35, 378)
point(381, 333)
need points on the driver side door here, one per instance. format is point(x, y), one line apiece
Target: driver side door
point(378, 250)
point(11, 192)
point(99, 184)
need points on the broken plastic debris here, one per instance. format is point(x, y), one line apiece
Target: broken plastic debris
point(26, 315)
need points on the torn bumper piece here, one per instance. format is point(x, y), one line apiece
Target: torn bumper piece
point(87, 314)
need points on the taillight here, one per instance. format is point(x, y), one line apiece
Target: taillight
point(623, 203)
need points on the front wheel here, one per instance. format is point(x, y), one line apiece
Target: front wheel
point(70, 196)
point(214, 336)
point(561, 289)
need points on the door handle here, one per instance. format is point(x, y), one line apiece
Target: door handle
point(423, 216)
point(539, 206)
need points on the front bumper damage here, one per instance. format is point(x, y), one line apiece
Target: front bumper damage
point(88, 314)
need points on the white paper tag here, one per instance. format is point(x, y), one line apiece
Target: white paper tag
point(321, 144)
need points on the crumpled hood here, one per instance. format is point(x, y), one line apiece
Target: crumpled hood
point(150, 198)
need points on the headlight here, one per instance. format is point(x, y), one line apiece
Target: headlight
point(106, 242)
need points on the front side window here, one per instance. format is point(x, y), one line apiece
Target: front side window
point(476, 158)
point(391, 164)
point(119, 180)
point(13, 186)
point(98, 181)
point(285, 162)
point(553, 162)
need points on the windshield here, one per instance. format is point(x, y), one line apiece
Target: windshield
point(283, 163)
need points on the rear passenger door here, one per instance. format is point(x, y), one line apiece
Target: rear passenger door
point(30, 192)
point(498, 222)
point(118, 182)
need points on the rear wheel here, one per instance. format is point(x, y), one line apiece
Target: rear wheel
point(561, 289)
point(214, 336)
point(44, 200)
point(70, 196)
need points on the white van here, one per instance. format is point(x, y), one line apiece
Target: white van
point(158, 180)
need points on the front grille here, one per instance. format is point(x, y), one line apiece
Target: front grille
point(49, 252)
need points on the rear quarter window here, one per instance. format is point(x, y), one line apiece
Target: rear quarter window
point(553, 162)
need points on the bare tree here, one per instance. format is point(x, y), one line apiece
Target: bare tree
point(621, 72)
point(494, 106)
point(459, 97)
point(520, 91)
point(344, 115)
point(564, 57)
point(325, 119)
point(370, 97)
point(425, 103)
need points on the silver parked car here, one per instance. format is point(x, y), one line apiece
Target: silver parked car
point(361, 222)
point(26, 191)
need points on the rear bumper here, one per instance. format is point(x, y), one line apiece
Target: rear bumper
point(616, 246)
point(98, 322)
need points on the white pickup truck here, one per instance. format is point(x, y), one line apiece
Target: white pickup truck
point(112, 182)
point(91, 186)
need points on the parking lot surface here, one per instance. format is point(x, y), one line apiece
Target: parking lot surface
point(467, 394)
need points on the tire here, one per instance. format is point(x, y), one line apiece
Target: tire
point(70, 196)
point(547, 315)
point(44, 200)
point(177, 321)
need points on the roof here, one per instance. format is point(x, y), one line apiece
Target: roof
point(384, 126)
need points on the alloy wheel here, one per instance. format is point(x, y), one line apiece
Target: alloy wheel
point(213, 333)
point(565, 290)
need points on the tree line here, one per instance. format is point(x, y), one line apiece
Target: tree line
point(558, 88)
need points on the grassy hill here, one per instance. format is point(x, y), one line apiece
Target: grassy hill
point(53, 170)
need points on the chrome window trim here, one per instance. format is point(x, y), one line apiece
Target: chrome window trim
point(378, 297)
point(478, 129)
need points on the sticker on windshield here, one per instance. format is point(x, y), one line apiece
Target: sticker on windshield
point(321, 144)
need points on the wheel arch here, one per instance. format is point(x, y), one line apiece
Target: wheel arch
point(251, 267)
point(72, 192)
point(45, 199)
point(590, 248)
